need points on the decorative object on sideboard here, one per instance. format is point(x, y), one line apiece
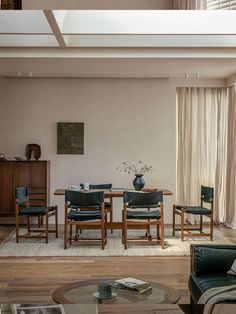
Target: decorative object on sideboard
point(32, 149)
point(138, 169)
point(70, 138)
point(2, 157)
point(20, 158)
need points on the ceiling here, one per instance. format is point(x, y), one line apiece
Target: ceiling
point(118, 43)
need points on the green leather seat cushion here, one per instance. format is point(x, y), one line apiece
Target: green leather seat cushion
point(195, 210)
point(84, 215)
point(198, 285)
point(155, 214)
point(144, 206)
point(35, 211)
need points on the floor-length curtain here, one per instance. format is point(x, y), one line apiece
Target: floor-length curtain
point(201, 146)
point(231, 161)
point(188, 4)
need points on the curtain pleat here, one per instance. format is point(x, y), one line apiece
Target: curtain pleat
point(188, 4)
point(231, 164)
point(201, 149)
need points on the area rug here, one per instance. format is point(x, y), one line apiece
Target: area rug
point(114, 247)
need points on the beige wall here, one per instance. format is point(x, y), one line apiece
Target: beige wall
point(125, 119)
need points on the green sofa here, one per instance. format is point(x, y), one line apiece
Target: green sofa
point(209, 266)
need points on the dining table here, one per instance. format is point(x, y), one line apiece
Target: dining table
point(113, 193)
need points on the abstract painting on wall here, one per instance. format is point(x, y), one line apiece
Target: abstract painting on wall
point(70, 138)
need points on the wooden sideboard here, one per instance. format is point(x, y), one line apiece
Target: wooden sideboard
point(13, 174)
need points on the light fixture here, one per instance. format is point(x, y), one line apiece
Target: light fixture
point(30, 74)
point(18, 73)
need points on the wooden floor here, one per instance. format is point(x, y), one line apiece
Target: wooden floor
point(33, 279)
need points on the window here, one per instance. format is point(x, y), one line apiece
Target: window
point(221, 4)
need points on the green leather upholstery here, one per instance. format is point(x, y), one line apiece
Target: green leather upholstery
point(143, 200)
point(78, 199)
point(22, 194)
point(105, 186)
point(155, 214)
point(209, 266)
point(84, 215)
point(207, 194)
point(35, 211)
point(81, 199)
point(197, 210)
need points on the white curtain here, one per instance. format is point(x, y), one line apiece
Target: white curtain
point(201, 148)
point(231, 162)
point(189, 4)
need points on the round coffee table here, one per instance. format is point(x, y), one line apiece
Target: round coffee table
point(82, 293)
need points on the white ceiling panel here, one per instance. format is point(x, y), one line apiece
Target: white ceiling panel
point(149, 22)
point(14, 21)
point(28, 41)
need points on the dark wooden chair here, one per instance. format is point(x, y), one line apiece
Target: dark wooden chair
point(23, 209)
point(141, 211)
point(207, 196)
point(108, 204)
point(94, 217)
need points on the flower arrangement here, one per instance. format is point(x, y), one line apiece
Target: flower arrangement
point(138, 168)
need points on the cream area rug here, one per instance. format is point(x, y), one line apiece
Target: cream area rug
point(114, 247)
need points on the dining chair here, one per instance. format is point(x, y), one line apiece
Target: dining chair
point(23, 209)
point(141, 211)
point(207, 196)
point(94, 216)
point(108, 204)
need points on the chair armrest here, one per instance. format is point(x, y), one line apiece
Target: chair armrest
point(211, 259)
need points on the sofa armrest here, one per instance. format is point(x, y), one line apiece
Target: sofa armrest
point(211, 259)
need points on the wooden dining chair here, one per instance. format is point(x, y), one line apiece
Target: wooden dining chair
point(109, 203)
point(94, 217)
point(23, 209)
point(141, 211)
point(207, 197)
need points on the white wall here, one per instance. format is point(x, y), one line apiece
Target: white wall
point(125, 119)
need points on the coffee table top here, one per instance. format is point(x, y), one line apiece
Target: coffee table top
point(82, 293)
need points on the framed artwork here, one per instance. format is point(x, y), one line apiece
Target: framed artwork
point(70, 138)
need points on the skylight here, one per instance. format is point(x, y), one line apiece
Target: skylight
point(145, 22)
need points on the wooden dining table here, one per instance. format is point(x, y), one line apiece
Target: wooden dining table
point(111, 193)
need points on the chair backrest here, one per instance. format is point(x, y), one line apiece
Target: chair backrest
point(207, 194)
point(82, 199)
point(142, 199)
point(22, 195)
point(106, 186)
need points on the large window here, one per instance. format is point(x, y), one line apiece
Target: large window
point(221, 4)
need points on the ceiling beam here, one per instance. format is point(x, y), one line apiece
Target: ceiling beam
point(55, 28)
point(121, 53)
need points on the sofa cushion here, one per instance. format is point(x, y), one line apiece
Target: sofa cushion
point(206, 260)
point(198, 285)
point(232, 270)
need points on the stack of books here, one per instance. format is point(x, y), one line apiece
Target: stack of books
point(132, 285)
